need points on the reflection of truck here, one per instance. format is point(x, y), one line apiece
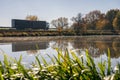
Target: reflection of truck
point(28, 24)
point(25, 46)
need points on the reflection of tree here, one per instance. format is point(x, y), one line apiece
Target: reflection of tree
point(116, 47)
point(61, 44)
point(116, 44)
point(79, 43)
point(102, 45)
point(98, 46)
point(32, 51)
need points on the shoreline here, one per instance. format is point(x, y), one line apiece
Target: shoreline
point(42, 38)
point(48, 38)
point(22, 39)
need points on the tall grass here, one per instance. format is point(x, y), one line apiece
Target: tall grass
point(66, 66)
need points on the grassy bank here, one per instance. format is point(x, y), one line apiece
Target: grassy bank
point(27, 33)
point(38, 38)
point(66, 66)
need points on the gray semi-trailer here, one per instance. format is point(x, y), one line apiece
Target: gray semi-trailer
point(28, 24)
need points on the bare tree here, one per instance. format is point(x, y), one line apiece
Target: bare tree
point(77, 19)
point(60, 23)
point(78, 24)
point(91, 18)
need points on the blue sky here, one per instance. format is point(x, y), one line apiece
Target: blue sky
point(51, 9)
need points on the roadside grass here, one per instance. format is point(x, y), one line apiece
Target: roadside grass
point(65, 66)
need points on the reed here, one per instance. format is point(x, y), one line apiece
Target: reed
point(66, 66)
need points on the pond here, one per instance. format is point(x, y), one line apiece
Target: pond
point(96, 45)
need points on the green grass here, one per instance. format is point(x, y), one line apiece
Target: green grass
point(66, 66)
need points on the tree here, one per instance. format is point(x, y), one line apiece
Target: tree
point(78, 24)
point(60, 23)
point(32, 18)
point(103, 24)
point(91, 18)
point(110, 15)
point(77, 19)
point(116, 22)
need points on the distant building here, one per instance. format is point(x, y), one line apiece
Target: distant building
point(28, 24)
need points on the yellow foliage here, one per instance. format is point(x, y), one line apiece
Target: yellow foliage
point(32, 17)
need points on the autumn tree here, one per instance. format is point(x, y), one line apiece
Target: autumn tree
point(116, 22)
point(60, 23)
point(32, 17)
point(110, 15)
point(91, 18)
point(103, 23)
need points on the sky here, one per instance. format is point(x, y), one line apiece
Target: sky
point(47, 10)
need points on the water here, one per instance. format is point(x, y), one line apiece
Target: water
point(96, 45)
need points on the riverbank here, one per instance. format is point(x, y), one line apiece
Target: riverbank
point(31, 33)
point(39, 33)
point(51, 38)
point(42, 38)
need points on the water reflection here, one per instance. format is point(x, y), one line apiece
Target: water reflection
point(60, 44)
point(96, 45)
point(29, 47)
point(32, 51)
